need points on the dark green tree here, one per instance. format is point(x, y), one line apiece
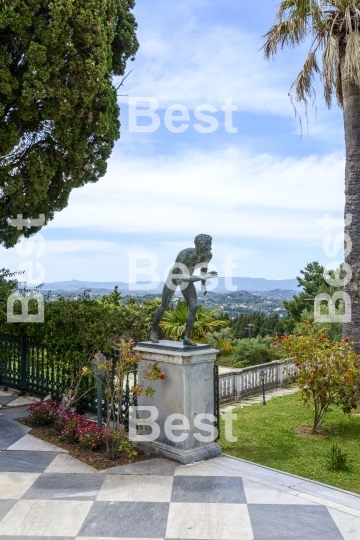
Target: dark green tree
point(58, 104)
point(313, 283)
point(8, 285)
point(260, 325)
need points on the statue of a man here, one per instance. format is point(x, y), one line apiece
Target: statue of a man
point(182, 274)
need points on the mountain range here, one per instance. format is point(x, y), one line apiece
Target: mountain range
point(242, 283)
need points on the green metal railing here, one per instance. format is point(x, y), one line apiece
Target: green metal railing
point(27, 366)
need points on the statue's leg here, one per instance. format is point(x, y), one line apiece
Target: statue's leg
point(189, 293)
point(167, 295)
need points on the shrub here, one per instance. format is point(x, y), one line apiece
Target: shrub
point(249, 352)
point(90, 436)
point(75, 329)
point(72, 423)
point(328, 372)
point(75, 428)
point(72, 427)
point(44, 412)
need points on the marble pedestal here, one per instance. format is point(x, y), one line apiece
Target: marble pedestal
point(188, 390)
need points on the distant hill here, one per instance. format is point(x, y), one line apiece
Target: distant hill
point(75, 285)
point(242, 283)
point(258, 284)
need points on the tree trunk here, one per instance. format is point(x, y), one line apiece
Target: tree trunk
point(351, 103)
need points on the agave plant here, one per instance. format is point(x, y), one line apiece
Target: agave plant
point(174, 321)
point(334, 29)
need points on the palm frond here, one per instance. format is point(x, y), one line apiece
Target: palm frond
point(174, 321)
point(304, 88)
point(331, 59)
point(352, 58)
point(321, 31)
point(335, 28)
point(340, 5)
point(223, 345)
point(286, 33)
point(302, 8)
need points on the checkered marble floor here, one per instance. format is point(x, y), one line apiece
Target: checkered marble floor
point(46, 495)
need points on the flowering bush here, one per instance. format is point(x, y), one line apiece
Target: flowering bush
point(72, 427)
point(70, 424)
point(328, 372)
point(90, 436)
point(44, 412)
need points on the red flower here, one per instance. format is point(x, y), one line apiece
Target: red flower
point(354, 406)
point(161, 376)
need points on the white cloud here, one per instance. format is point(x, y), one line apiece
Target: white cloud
point(192, 67)
point(74, 246)
point(225, 193)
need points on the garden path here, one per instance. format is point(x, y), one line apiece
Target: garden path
point(257, 399)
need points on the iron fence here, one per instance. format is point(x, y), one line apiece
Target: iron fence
point(27, 366)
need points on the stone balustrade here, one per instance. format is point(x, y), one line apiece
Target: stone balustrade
point(239, 383)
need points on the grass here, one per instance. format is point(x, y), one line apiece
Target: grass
point(266, 435)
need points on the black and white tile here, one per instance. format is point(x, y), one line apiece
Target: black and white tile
point(48, 495)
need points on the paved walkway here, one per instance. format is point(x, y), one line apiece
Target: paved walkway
point(257, 399)
point(47, 495)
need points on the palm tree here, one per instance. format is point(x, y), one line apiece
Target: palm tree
point(174, 321)
point(334, 29)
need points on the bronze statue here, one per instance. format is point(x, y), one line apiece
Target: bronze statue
point(187, 261)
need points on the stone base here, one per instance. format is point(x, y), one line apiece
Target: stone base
point(178, 454)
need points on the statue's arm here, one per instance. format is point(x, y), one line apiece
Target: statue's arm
point(193, 279)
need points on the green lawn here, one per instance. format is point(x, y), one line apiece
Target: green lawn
point(266, 435)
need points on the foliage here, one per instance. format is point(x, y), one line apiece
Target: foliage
point(302, 305)
point(113, 381)
point(75, 428)
point(70, 424)
point(72, 427)
point(44, 412)
point(328, 372)
point(135, 319)
point(174, 321)
point(268, 436)
point(333, 330)
point(58, 105)
point(90, 436)
point(261, 325)
point(73, 331)
point(223, 340)
point(334, 29)
point(249, 352)
point(336, 460)
point(8, 285)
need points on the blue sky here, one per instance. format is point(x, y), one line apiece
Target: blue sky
point(258, 192)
